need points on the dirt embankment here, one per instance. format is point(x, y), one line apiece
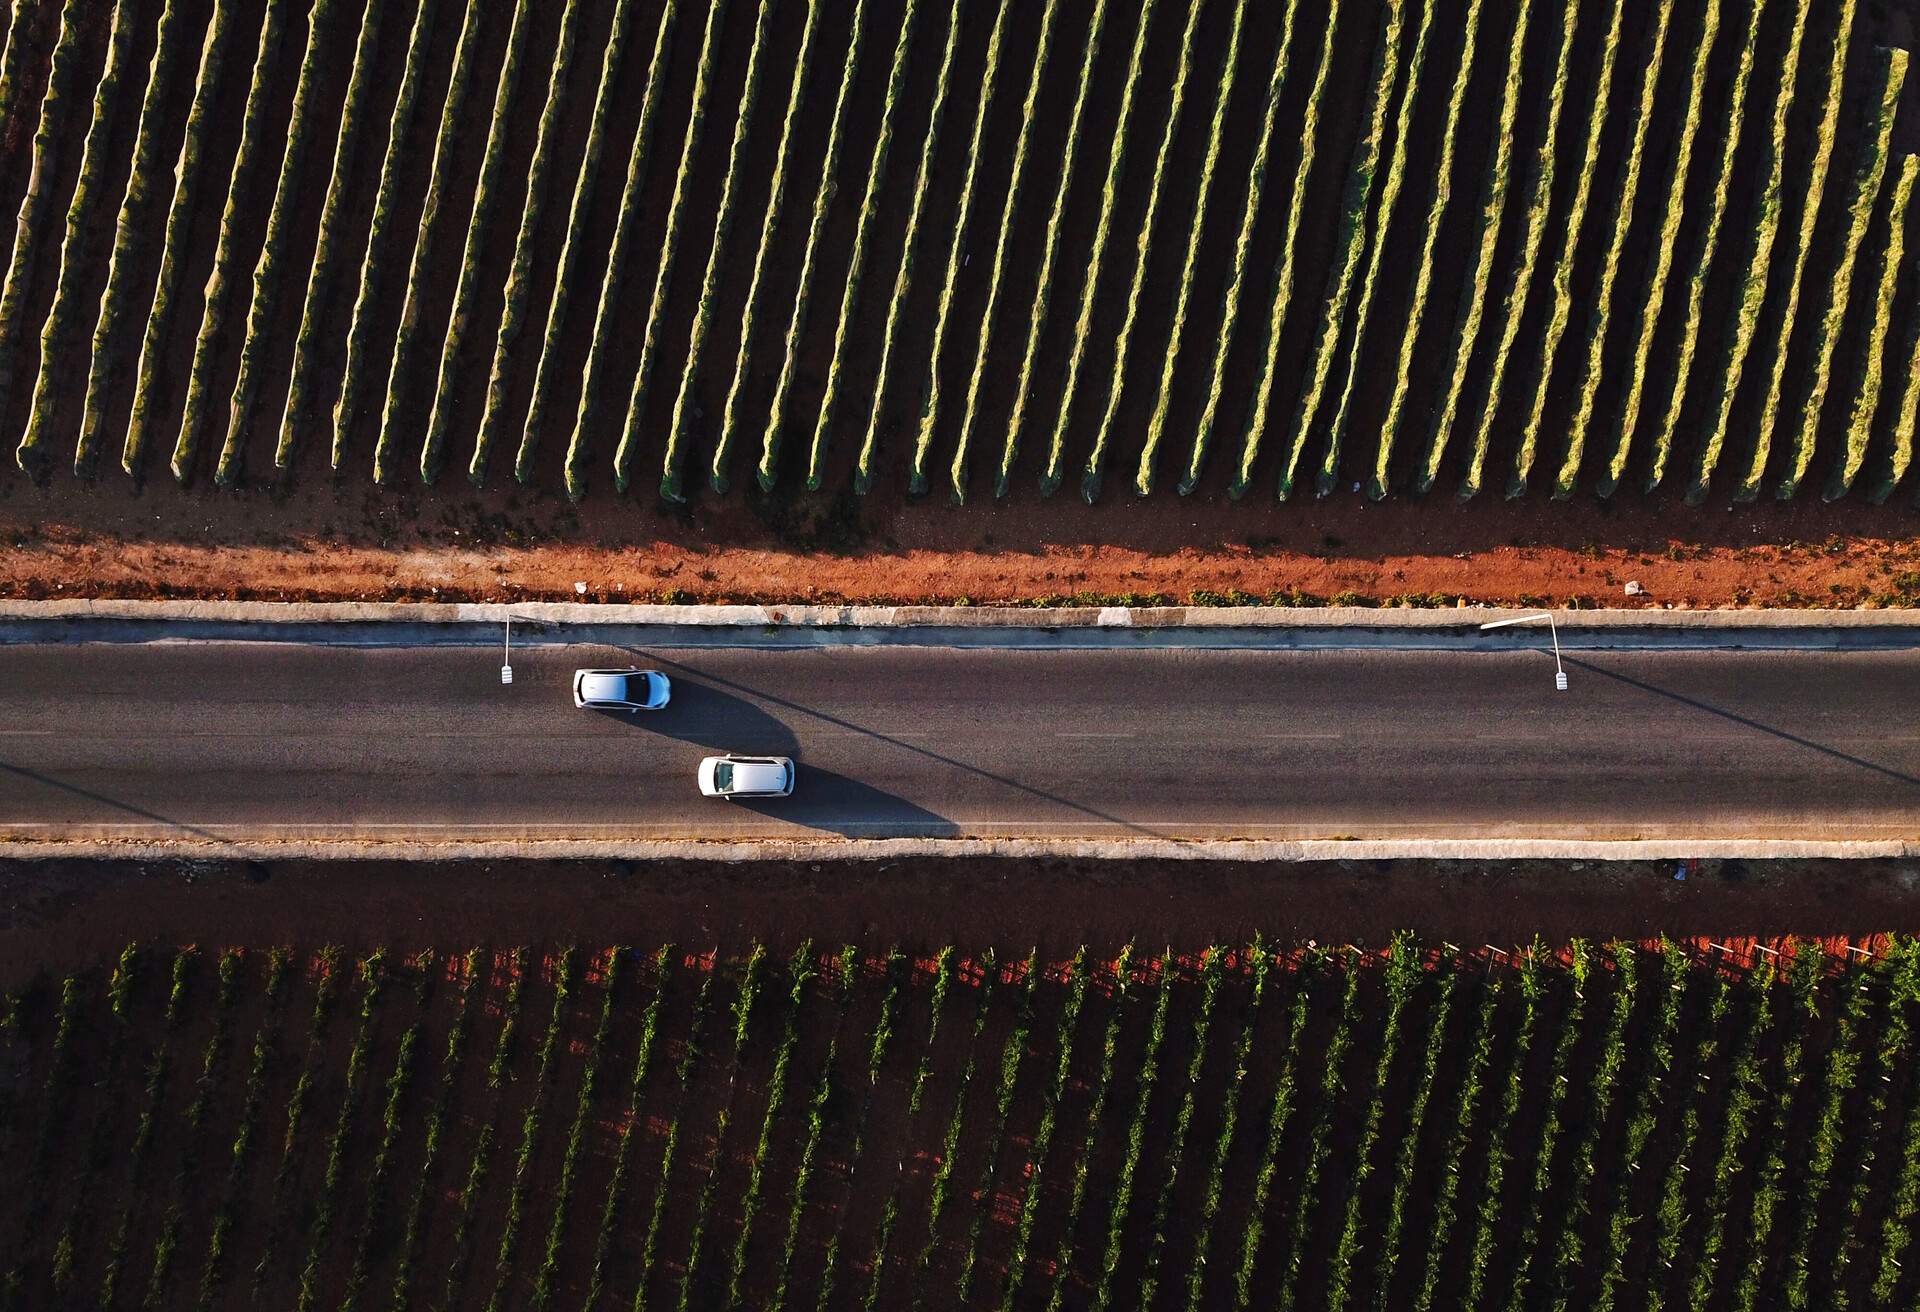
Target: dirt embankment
point(319, 542)
point(56, 915)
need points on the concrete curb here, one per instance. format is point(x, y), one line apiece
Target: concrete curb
point(966, 617)
point(894, 849)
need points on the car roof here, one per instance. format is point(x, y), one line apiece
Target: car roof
point(759, 774)
point(604, 683)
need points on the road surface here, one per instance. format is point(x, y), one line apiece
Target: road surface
point(266, 740)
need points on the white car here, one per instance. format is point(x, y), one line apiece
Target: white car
point(621, 690)
point(746, 776)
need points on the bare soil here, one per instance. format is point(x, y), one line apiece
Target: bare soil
point(59, 914)
point(355, 542)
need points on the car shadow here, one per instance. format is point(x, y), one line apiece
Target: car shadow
point(837, 804)
point(707, 717)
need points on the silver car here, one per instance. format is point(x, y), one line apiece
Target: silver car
point(746, 776)
point(621, 690)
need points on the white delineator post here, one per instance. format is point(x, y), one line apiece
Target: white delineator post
point(506, 654)
point(1559, 670)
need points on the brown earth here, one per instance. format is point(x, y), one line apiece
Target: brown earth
point(55, 915)
point(320, 542)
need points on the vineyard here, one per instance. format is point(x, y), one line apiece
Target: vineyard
point(947, 246)
point(1727, 1124)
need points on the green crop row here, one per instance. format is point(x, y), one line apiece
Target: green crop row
point(583, 1106)
point(1526, 260)
point(1736, 1128)
point(159, 1067)
point(265, 1043)
point(1619, 223)
point(518, 287)
point(1012, 1052)
point(963, 218)
point(1196, 229)
point(186, 175)
point(607, 315)
point(629, 444)
point(710, 281)
point(1662, 442)
point(1813, 191)
point(1671, 1217)
point(406, 336)
point(1769, 1188)
point(264, 308)
point(1309, 977)
point(800, 973)
point(1500, 1153)
point(750, 986)
point(1404, 970)
point(1350, 237)
point(1643, 1120)
point(295, 416)
point(1122, 1198)
point(822, 1092)
point(1562, 311)
point(770, 220)
point(1665, 244)
point(479, 226)
point(857, 265)
point(477, 1164)
point(1090, 286)
point(227, 254)
point(1268, 358)
point(1839, 1076)
point(1143, 248)
point(131, 234)
point(948, 1153)
point(1753, 288)
point(1050, 247)
point(903, 276)
point(1569, 1246)
point(630, 1122)
point(374, 978)
point(1212, 974)
point(585, 183)
point(1473, 292)
point(1242, 244)
point(1260, 966)
point(1078, 971)
point(530, 1124)
point(1559, 1088)
point(1009, 209)
point(1389, 206)
point(1118, 1004)
point(1866, 394)
point(49, 135)
point(346, 409)
point(186, 1185)
point(1871, 170)
point(1404, 1160)
point(1330, 1089)
point(76, 261)
point(1423, 281)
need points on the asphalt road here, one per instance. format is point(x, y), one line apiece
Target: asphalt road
point(272, 740)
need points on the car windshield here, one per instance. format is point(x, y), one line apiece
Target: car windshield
point(723, 775)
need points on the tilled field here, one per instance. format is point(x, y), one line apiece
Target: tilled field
point(1726, 1122)
point(928, 245)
